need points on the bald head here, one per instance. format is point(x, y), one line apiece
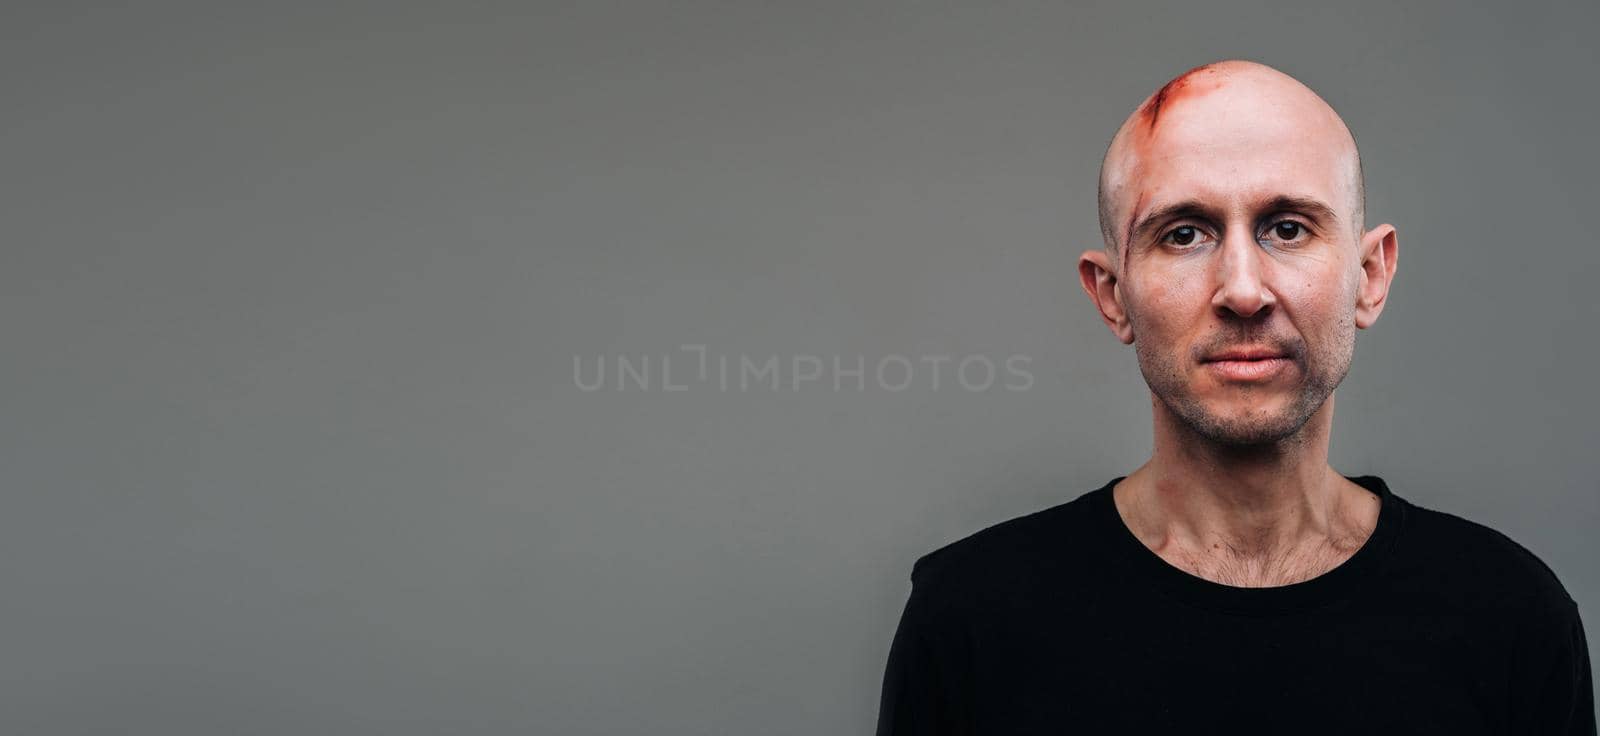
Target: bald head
point(1230, 117)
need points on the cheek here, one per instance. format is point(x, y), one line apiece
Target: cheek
point(1327, 283)
point(1165, 308)
point(1319, 306)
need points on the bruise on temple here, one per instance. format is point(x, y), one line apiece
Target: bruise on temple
point(1133, 216)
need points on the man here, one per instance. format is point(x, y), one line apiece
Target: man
point(1235, 583)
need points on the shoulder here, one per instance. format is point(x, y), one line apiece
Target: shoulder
point(1521, 615)
point(1482, 556)
point(1011, 550)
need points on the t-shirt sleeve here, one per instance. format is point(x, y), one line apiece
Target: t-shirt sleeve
point(922, 691)
point(1551, 676)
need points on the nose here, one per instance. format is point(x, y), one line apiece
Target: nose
point(1240, 288)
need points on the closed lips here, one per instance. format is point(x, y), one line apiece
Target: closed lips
point(1245, 355)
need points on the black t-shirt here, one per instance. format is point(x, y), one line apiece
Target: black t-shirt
point(1063, 622)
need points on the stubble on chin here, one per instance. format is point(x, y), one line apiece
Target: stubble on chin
point(1256, 426)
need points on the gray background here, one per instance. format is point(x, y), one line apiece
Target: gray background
point(292, 294)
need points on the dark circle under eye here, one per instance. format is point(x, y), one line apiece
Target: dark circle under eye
point(1183, 235)
point(1287, 230)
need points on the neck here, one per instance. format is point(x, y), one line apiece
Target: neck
point(1250, 510)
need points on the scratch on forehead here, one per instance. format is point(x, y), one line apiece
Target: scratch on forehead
point(1143, 136)
point(1180, 87)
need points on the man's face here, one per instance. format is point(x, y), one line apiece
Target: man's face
point(1240, 238)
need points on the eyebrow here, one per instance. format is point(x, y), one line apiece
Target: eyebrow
point(1311, 207)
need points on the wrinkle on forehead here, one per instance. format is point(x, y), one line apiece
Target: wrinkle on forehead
point(1247, 84)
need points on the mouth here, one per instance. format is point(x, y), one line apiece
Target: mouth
point(1247, 364)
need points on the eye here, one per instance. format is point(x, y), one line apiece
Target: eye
point(1183, 236)
point(1286, 231)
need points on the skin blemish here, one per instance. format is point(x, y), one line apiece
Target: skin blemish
point(1180, 87)
point(1127, 241)
point(1133, 217)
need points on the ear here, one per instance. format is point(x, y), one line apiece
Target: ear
point(1100, 283)
point(1380, 256)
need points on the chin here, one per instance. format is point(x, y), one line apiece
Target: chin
point(1247, 434)
point(1232, 415)
point(1243, 426)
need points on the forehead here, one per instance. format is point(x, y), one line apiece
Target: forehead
point(1238, 169)
point(1231, 146)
